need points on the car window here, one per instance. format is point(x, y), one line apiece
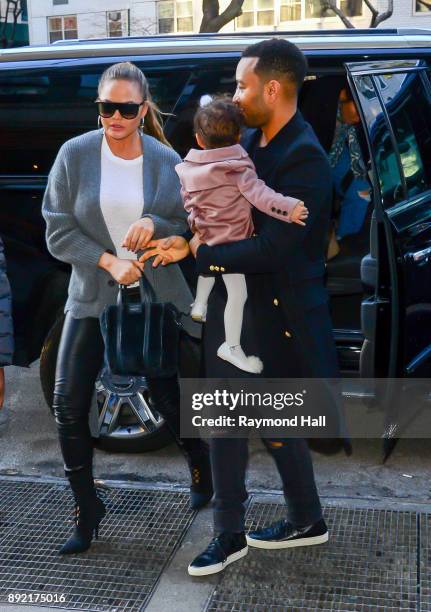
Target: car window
point(204, 82)
point(408, 104)
point(383, 151)
point(41, 109)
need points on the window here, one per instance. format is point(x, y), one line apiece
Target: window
point(351, 8)
point(24, 14)
point(48, 106)
point(62, 28)
point(246, 20)
point(315, 9)
point(203, 82)
point(265, 12)
point(175, 16)
point(257, 13)
point(118, 23)
point(269, 14)
point(422, 6)
point(408, 105)
point(290, 10)
point(384, 154)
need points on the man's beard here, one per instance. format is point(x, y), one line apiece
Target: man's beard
point(257, 119)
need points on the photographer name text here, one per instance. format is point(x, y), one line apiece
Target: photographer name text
point(257, 423)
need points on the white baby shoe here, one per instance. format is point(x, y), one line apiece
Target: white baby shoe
point(199, 312)
point(236, 356)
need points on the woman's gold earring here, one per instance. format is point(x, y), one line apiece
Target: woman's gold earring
point(141, 125)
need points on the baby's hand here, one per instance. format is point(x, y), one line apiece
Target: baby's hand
point(299, 214)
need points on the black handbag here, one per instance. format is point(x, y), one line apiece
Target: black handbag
point(141, 339)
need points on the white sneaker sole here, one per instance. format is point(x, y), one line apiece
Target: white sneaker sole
point(321, 539)
point(217, 567)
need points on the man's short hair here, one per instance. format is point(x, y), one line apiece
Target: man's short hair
point(278, 58)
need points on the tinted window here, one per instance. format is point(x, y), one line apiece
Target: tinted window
point(41, 109)
point(409, 108)
point(203, 82)
point(384, 154)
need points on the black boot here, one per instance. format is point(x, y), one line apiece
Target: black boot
point(197, 456)
point(87, 520)
point(89, 511)
point(165, 394)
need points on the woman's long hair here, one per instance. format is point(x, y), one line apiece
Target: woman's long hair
point(126, 71)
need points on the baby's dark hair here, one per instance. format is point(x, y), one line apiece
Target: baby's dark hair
point(219, 123)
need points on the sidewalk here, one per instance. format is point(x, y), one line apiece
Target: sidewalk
point(378, 557)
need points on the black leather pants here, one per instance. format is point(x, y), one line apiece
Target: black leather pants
point(80, 357)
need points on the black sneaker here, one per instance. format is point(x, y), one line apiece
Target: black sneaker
point(221, 551)
point(283, 534)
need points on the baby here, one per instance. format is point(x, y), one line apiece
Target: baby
point(219, 186)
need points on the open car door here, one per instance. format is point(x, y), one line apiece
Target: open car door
point(394, 100)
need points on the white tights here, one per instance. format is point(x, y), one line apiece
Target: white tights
point(236, 298)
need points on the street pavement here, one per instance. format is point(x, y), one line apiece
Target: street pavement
point(30, 448)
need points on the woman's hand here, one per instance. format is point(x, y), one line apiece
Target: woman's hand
point(166, 250)
point(139, 234)
point(124, 271)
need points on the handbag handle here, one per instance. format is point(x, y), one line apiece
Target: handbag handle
point(145, 289)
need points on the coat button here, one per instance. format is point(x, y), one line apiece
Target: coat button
point(222, 269)
point(279, 210)
point(212, 268)
point(287, 334)
point(284, 213)
point(275, 302)
point(111, 282)
point(216, 268)
point(273, 208)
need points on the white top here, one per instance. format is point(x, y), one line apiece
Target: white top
point(121, 195)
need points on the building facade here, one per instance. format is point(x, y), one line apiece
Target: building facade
point(51, 20)
point(15, 36)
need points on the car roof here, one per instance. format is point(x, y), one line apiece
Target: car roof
point(347, 39)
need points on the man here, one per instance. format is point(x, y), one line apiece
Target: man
point(287, 320)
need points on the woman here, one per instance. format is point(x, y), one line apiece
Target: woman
point(349, 171)
point(6, 334)
point(109, 192)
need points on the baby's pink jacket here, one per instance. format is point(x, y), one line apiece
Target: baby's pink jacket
point(219, 187)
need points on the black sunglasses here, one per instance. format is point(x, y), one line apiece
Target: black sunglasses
point(128, 110)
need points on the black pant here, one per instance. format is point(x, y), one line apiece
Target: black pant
point(229, 459)
point(80, 357)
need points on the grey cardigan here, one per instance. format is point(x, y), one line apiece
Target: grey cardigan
point(76, 232)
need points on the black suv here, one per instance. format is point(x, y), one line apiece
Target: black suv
point(380, 280)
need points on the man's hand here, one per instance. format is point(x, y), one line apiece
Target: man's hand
point(166, 250)
point(139, 234)
point(299, 214)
